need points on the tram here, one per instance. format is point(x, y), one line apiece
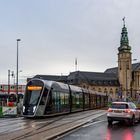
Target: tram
point(48, 98)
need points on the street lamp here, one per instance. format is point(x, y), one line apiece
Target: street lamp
point(17, 71)
point(10, 73)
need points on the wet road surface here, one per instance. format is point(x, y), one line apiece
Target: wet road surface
point(42, 129)
point(99, 130)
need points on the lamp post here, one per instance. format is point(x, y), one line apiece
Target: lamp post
point(8, 86)
point(13, 76)
point(17, 71)
point(8, 82)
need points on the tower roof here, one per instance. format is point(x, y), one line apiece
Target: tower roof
point(124, 42)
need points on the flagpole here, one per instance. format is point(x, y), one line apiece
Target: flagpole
point(75, 64)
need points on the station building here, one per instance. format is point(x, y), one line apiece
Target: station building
point(121, 81)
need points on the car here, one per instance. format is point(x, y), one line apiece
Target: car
point(123, 111)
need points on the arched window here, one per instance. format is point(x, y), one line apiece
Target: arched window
point(93, 88)
point(99, 90)
point(105, 90)
point(111, 90)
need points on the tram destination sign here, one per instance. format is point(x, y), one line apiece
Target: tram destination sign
point(34, 87)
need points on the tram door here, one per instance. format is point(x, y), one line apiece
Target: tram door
point(56, 98)
point(42, 103)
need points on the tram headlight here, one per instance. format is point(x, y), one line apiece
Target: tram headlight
point(34, 108)
point(23, 109)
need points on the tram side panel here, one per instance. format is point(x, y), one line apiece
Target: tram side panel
point(58, 101)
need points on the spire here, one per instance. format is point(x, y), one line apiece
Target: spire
point(124, 37)
point(124, 42)
point(123, 22)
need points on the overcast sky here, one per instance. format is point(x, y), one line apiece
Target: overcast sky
point(55, 32)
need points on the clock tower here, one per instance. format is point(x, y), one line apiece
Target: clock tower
point(124, 62)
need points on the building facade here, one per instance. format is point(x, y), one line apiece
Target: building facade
point(129, 77)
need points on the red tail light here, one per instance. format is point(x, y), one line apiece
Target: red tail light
point(127, 111)
point(109, 110)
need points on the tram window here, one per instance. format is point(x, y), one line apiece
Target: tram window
point(44, 96)
point(98, 100)
point(66, 98)
point(64, 104)
point(32, 94)
point(80, 100)
point(62, 98)
point(86, 96)
point(93, 101)
point(50, 104)
point(73, 100)
point(56, 101)
point(34, 98)
point(77, 100)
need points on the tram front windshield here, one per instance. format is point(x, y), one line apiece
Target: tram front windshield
point(32, 97)
point(32, 94)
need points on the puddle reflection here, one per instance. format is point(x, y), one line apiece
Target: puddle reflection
point(117, 132)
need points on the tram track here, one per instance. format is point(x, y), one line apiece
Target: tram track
point(30, 123)
point(50, 126)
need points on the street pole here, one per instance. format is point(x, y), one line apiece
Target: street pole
point(17, 72)
point(8, 86)
point(13, 76)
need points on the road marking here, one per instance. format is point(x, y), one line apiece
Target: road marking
point(86, 125)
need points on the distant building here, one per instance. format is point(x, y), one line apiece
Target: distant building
point(116, 82)
point(11, 89)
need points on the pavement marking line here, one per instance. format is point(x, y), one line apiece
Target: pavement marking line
point(86, 125)
point(96, 116)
